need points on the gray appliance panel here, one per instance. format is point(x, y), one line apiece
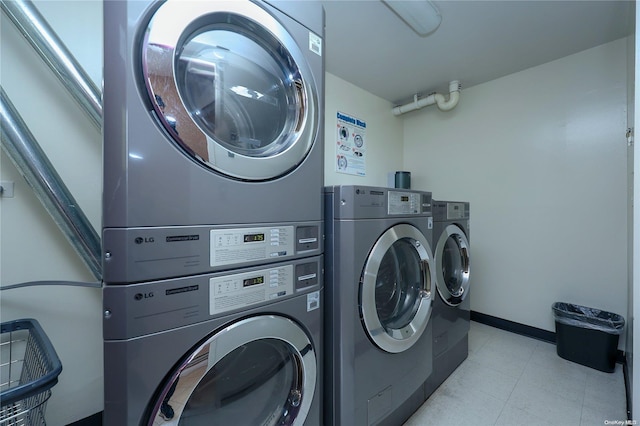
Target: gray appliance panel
point(136, 367)
point(149, 181)
point(453, 211)
point(147, 253)
point(357, 373)
point(139, 309)
point(361, 202)
point(451, 325)
point(306, 13)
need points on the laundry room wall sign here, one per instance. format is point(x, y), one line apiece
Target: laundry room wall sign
point(350, 145)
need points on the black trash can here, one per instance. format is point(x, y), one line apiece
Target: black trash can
point(587, 336)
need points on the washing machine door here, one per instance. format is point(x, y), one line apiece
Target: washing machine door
point(258, 371)
point(452, 265)
point(395, 288)
point(231, 87)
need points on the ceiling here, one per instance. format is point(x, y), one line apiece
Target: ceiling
point(368, 45)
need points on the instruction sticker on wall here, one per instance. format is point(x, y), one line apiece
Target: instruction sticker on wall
point(350, 145)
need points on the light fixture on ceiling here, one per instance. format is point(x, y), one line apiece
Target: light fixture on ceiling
point(421, 15)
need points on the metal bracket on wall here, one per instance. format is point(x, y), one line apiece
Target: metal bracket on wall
point(6, 189)
point(630, 136)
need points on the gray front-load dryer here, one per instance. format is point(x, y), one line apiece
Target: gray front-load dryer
point(379, 269)
point(213, 121)
point(452, 306)
point(241, 348)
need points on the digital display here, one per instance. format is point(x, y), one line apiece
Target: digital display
point(253, 281)
point(252, 238)
point(404, 198)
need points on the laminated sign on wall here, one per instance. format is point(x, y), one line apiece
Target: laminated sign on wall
point(350, 145)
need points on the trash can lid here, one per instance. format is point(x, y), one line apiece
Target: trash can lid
point(583, 316)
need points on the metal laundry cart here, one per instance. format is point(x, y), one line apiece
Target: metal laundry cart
point(29, 368)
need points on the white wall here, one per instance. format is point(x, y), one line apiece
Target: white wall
point(31, 246)
point(541, 156)
point(383, 133)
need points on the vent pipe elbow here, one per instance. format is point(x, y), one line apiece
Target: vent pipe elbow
point(437, 99)
point(443, 105)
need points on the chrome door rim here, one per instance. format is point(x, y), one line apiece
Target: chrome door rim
point(230, 338)
point(165, 31)
point(396, 340)
point(449, 298)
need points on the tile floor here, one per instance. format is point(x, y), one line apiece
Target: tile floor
point(510, 379)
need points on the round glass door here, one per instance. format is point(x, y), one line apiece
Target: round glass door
point(395, 289)
point(452, 265)
point(231, 87)
point(240, 377)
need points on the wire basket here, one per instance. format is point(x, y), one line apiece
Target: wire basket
point(29, 368)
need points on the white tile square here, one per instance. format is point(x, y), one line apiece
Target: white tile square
point(557, 410)
point(514, 416)
point(452, 403)
point(515, 345)
point(556, 379)
point(546, 353)
point(605, 392)
point(479, 335)
point(479, 377)
point(497, 354)
point(592, 416)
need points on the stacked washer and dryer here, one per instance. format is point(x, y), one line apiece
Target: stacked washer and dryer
point(378, 301)
point(213, 120)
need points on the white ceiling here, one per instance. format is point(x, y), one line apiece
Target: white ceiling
point(477, 41)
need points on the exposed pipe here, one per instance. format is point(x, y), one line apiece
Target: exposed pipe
point(31, 161)
point(436, 98)
point(54, 53)
point(51, 283)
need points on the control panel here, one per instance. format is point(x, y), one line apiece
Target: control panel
point(363, 202)
point(144, 254)
point(401, 202)
point(144, 308)
point(456, 211)
point(232, 246)
point(229, 292)
point(232, 291)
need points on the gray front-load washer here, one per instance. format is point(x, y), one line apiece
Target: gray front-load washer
point(452, 306)
point(379, 296)
point(234, 348)
point(213, 121)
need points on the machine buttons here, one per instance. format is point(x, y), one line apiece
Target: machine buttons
point(243, 245)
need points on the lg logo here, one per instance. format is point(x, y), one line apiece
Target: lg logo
point(140, 296)
point(140, 240)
